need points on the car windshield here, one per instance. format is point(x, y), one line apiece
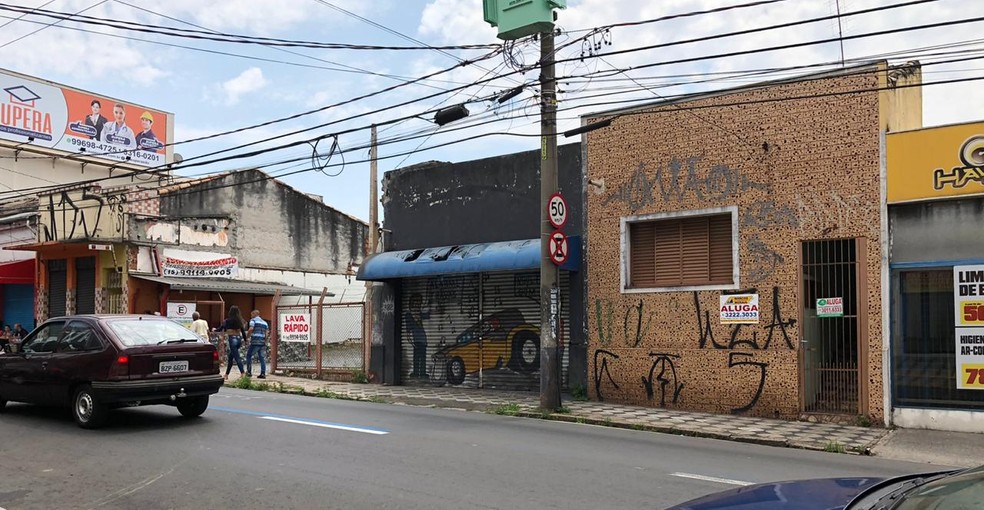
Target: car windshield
point(135, 332)
point(960, 490)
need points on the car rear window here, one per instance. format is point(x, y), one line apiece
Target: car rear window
point(135, 332)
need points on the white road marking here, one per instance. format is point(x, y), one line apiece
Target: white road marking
point(326, 425)
point(712, 479)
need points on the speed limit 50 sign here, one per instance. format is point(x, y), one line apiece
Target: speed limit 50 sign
point(557, 210)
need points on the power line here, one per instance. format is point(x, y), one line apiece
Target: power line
point(649, 110)
point(284, 50)
point(393, 32)
point(222, 37)
point(718, 36)
point(37, 9)
point(49, 2)
point(481, 81)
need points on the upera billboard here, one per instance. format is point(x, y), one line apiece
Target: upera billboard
point(47, 115)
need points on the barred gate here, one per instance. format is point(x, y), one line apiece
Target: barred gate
point(334, 340)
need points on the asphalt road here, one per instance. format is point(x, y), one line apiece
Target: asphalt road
point(256, 450)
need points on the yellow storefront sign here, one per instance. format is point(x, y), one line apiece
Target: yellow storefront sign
point(936, 162)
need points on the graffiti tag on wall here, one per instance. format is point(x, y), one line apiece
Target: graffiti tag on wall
point(81, 214)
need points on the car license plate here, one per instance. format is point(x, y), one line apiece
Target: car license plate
point(170, 367)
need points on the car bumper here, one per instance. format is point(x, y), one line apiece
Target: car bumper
point(109, 392)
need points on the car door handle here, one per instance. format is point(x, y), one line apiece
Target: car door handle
point(44, 365)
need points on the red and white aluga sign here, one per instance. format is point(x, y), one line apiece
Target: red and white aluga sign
point(558, 248)
point(557, 210)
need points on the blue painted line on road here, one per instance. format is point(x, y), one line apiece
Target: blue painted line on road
point(302, 421)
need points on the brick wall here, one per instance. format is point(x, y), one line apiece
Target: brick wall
point(796, 170)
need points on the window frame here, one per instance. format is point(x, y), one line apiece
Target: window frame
point(625, 249)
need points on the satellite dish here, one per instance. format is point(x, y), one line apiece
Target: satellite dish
point(178, 158)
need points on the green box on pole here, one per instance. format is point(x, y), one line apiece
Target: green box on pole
point(520, 18)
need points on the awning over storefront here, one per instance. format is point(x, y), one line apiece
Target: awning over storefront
point(466, 258)
point(234, 286)
point(19, 272)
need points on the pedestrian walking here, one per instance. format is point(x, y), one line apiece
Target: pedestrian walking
point(236, 330)
point(258, 329)
point(199, 326)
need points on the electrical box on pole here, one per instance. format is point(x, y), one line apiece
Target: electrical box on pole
point(520, 18)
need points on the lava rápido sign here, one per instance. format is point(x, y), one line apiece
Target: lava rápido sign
point(740, 309)
point(295, 327)
point(968, 301)
point(830, 307)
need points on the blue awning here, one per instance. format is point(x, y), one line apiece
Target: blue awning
point(466, 258)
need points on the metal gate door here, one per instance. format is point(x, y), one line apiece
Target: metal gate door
point(85, 285)
point(832, 327)
point(57, 286)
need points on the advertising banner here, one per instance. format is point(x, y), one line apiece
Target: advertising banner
point(970, 358)
point(47, 115)
point(181, 312)
point(968, 299)
point(830, 307)
point(936, 162)
point(295, 327)
point(740, 309)
point(198, 264)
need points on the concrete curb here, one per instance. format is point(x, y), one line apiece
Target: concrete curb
point(525, 411)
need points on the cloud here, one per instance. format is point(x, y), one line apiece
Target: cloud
point(249, 81)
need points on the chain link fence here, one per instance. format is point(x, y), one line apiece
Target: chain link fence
point(333, 339)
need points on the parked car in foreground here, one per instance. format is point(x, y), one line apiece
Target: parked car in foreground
point(941, 490)
point(97, 362)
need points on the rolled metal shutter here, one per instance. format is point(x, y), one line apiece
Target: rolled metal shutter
point(439, 311)
point(85, 285)
point(511, 310)
point(18, 305)
point(57, 286)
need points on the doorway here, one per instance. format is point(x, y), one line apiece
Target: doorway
point(832, 328)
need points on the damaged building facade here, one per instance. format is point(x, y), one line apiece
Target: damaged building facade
point(456, 299)
point(238, 238)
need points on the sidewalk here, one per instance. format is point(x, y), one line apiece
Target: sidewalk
point(943, 448)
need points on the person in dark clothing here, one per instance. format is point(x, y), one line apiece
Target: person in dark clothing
point(236, 328)
point(19, 332)
point(96, 120)
point(414, 319)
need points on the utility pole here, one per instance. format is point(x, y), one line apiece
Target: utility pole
point(373, 242)
point(549, 290)
point(373, 197)
point(516, 19)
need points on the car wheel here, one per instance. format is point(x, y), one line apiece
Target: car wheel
point(526, 351)
point(86, 409)
point(456, 371)
point(193, 407)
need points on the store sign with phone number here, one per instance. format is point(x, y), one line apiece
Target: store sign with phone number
point(226, 267)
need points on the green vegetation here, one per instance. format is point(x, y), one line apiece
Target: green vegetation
point(359, 377)
point(579, 392)
point(506, 410)
point(834, 447)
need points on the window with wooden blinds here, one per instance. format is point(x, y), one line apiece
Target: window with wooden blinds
point(681, 252)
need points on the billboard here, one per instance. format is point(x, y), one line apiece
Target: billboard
point(44, 114)
point(937, 162)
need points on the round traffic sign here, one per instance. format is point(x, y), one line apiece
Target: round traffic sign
point(558, 248)
point(557, 210)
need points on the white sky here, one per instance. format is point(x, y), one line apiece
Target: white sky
point(210, 93)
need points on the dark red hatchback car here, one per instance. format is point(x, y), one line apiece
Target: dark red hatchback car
point(97, 362)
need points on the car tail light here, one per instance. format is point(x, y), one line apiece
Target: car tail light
point(215, 359)
point(121, 367)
